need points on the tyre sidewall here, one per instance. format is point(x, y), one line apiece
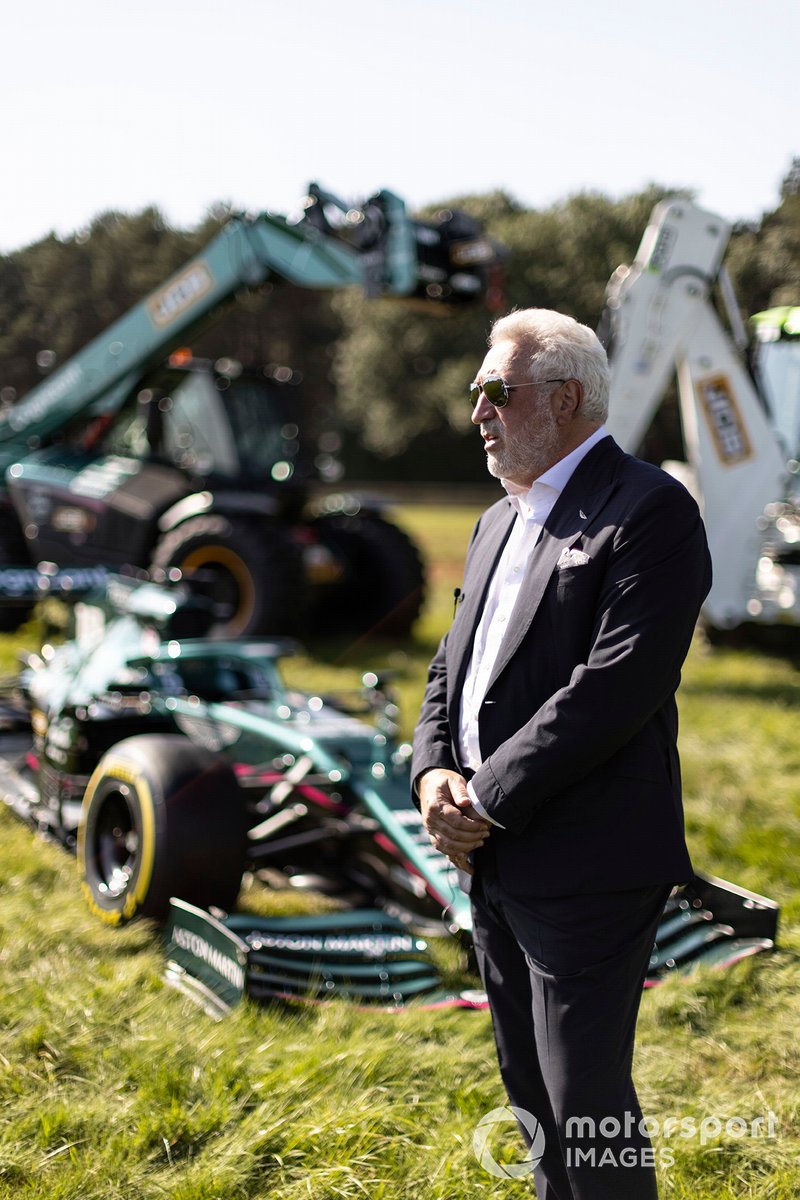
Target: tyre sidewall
point(383, 588)
point(260, 557)
point(115, 771)
point(190, 820)
point(211, 541)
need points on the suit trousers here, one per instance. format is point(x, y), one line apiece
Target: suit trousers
point(564, 978)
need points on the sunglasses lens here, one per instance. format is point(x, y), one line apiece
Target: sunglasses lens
point(493, 389)
point(496, 393)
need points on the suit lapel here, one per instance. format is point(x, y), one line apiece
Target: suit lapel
point(584, 496)
point(481, 566)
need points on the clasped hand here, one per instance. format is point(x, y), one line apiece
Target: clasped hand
point(447, 813)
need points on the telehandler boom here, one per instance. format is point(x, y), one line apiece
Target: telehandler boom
point(194, 465)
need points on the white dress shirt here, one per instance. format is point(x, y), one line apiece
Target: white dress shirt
point(533, 506)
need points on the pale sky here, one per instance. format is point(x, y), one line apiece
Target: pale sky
point(182, 103)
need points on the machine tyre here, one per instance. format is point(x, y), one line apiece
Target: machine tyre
point(723, 638)
point(772, 639)
point(253, 572)
point(382, 588)
point(13, 554)
point(161, 817)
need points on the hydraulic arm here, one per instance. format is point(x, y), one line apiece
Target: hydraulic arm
point(193, 470)
point(377, 247)
point(663, 322)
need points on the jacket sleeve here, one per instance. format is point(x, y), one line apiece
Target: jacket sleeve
point(432, 739)
point(657, 575)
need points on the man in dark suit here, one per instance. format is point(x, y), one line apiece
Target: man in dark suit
point(545, 760)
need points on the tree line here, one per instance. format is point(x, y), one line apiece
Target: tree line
point(390, 377)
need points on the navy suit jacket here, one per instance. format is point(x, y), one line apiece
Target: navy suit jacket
point(578, 729)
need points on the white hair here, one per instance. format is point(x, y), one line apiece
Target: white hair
point(559, 347)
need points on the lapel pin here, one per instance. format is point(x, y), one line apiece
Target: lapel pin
point(582, 514)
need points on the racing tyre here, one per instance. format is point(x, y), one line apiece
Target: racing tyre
point(253, 574)
point(161, 817)
point(382, 587)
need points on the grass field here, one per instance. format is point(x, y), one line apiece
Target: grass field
point(113, 1087)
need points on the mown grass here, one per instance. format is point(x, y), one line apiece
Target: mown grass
point(113, 1086)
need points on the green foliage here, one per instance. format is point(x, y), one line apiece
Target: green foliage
point(764, 258)
point(392, 376)
point(112, 1087)
point(401, 374)
point(564, 256)
point(57, 295)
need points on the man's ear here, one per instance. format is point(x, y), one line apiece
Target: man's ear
point(568, 400)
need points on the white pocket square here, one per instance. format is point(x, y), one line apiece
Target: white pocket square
point(572, 558)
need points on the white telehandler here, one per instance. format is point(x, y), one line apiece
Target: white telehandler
point(740, 407)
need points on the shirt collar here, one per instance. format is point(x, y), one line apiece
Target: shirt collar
point(554, 479)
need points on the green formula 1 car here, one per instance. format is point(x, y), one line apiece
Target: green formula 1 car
point(172, 765)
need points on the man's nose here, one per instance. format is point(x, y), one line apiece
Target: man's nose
point(483, 410)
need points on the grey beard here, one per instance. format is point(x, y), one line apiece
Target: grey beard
point(520, 459)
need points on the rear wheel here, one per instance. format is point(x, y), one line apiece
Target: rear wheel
point(383, 581)
point(161, 817)
point(252, 573)
point(13, 553)
point(775, 639)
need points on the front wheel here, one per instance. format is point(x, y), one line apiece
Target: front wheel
point(161, 817)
